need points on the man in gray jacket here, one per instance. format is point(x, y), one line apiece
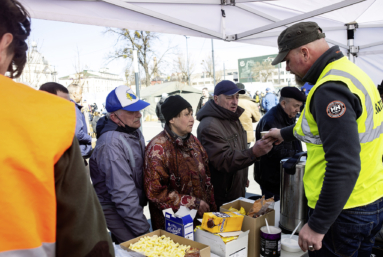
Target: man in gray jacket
point(116, 165)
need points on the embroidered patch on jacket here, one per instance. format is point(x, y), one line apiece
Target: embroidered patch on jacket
point(336, 109)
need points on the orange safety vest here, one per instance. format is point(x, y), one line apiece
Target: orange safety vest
point(36, 128)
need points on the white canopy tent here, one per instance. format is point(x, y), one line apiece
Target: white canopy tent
point(248, 21)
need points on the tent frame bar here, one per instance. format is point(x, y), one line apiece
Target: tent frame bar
point(150, 13)
point(370, 53)
point(300, 17)
point(371, 45)
point(214, 2)
point(254, 11)
point(276, 33)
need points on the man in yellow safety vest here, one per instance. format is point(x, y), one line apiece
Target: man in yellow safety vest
point(342, 128)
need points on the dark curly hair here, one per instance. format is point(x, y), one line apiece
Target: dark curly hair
point(15, 19)
point(53, 88)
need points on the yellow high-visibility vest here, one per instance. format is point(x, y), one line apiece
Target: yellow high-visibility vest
point(36, 129)
point(369, 186)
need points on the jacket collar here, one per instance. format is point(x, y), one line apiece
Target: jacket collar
point(229, 114)
point(211, 109)
point(78, 106)
point(104, 125)
point(284, 115)
point(175, 138)
point(329, 56)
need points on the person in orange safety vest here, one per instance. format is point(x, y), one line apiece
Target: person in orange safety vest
point(48, 205)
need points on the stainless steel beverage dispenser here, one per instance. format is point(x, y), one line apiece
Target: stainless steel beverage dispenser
point(293, 199)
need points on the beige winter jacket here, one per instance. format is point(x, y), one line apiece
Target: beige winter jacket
point(250, 115)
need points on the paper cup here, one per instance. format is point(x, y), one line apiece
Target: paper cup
point(290, 245)
point(264, 133)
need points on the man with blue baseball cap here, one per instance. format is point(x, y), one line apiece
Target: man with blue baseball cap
point(117, 163)
point(222, 135)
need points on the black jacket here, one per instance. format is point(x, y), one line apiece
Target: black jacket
point(225, 141)
point(158, 110)
point(267, 169)
point(199, 106)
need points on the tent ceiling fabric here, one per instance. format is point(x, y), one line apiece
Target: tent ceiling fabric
point(248, 21)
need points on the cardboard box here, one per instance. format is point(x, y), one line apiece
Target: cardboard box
point(179, 226)
point(204, 249)
point(252, 224)
point(217, 222)
point(237, 248)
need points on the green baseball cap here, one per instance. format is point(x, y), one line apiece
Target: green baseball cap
point(295, 36)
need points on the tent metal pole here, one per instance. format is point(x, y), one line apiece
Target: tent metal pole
point(187, 59)
point(352, 50)
point(212, 55)
point(136, 78)
point(300, 17)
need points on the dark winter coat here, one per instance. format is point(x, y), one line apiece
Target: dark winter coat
point(158, 110)
point(267, 169)
point(200, 103)
point(222, 135)
point(94, 123)
point(81, 132)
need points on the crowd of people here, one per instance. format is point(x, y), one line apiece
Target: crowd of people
point(54, 209)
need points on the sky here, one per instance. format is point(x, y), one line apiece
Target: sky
point(61, 43)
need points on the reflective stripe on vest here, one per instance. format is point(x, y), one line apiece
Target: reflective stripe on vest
point(47, 249)
point(369, 185)
point(368, 136)
point(308, 137)
point(36, 129)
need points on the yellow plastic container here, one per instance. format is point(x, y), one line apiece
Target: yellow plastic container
point(218, 222)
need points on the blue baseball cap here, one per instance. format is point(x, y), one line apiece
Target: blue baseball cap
point(227, 87)
point(122, 97)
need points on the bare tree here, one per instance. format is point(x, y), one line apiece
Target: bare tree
point(130, 77)
point(79, 70)
point(207, 65)
point(143, 42)
point(180, 67)
point(218, 76)
point(262, 70)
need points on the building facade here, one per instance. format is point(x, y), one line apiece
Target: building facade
point(101, 81)
point(96, 85)
point(204, 79)
point(37, 70)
